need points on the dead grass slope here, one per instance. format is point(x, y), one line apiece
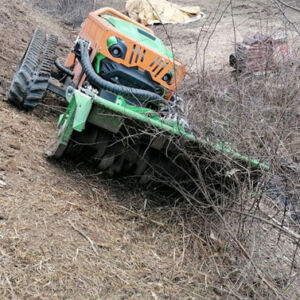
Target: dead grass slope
point(68, 234)
point(49, 214)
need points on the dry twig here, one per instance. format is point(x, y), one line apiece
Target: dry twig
point(85, 236)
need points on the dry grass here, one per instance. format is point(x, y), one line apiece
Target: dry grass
point(68, 234)
point(72, 12)
point(139, 254)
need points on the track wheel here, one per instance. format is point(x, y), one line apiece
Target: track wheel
point(55, 147)
point(31, 78)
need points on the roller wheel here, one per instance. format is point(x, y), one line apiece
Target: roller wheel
point(56, 149)
point(233, 60)
point(31, 78)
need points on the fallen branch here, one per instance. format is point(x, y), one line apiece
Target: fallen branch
point(141, 216)
point(289, 6)
point(85, 236)
point(276, 223)
point(247, 256)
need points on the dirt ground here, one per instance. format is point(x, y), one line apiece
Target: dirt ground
point(68, 234)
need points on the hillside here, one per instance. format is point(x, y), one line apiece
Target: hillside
point(67, 232)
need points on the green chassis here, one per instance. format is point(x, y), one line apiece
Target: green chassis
point(85, 107)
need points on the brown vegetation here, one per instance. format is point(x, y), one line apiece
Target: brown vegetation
point(68, 233)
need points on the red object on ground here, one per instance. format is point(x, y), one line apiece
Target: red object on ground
point(260, 53)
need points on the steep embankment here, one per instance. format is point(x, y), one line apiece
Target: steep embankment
point(66, 233)
point(63, 235)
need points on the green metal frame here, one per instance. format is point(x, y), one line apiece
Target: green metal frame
point(88, 107)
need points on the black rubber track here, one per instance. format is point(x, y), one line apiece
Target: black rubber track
point(31, 79)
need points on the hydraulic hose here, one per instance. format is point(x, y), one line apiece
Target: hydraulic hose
point(62, 68)
point(99, 82)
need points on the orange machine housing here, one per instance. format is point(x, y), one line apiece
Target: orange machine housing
point(97, 31)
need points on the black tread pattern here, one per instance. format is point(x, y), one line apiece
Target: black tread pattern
point(31, 79)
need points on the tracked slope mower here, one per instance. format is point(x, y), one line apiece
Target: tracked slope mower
point(123, 113)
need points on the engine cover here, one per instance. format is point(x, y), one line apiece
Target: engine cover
point(131, 77)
